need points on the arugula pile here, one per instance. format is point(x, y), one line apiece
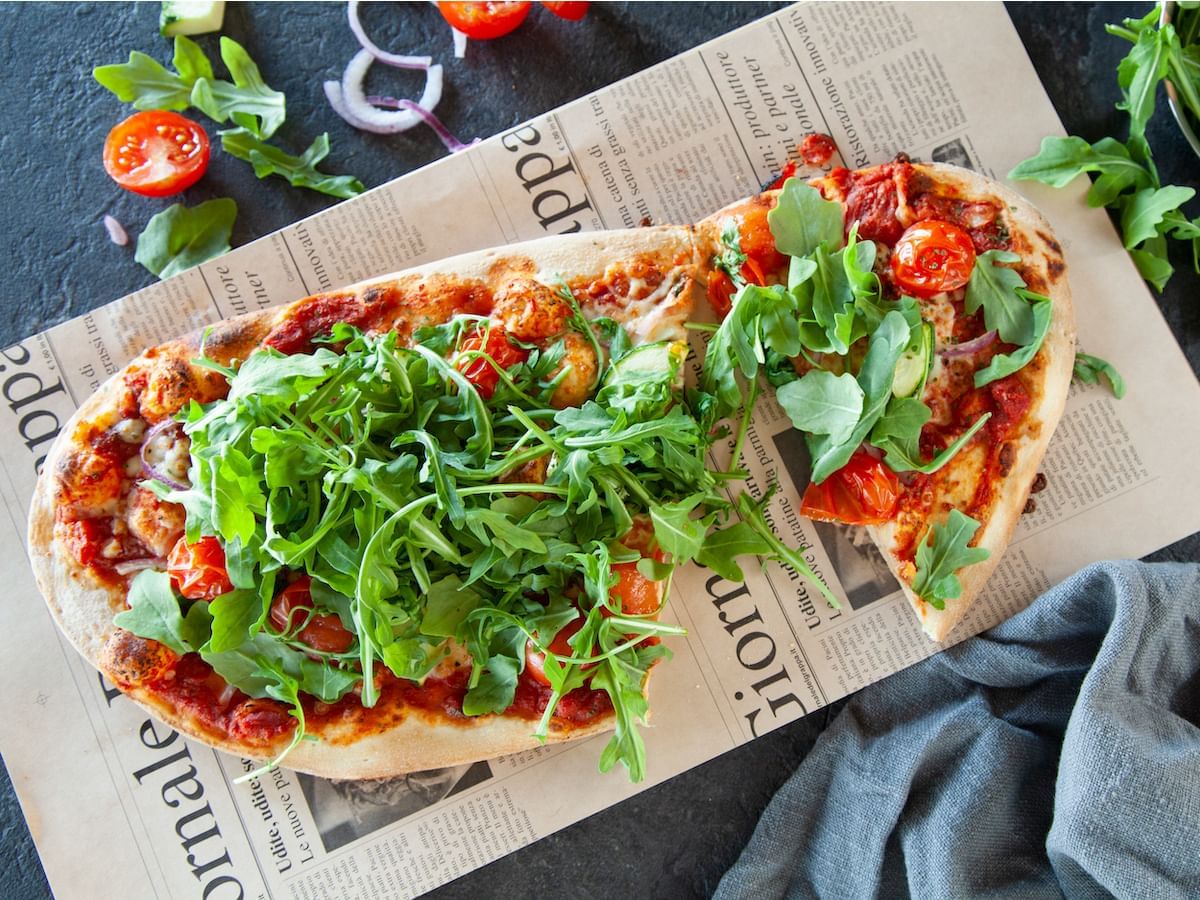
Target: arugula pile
point(381, 472)
point(1127, 179)
point(867, 357)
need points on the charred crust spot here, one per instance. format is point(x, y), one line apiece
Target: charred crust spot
point(1005, 458)
point(1039, 483)
point(378, 294)
point(1030, 506)
point(646, 222)
point(226, 340)
point(130, 660)
point(1055, 267)
point(902, 158)
point(1050, 242)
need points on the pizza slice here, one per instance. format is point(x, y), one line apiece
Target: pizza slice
point(916, 324)
point(425, 520)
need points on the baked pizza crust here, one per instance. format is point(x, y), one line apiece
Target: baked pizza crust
point(83, 606)
point(1047, 273)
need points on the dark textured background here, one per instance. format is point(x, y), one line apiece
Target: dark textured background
point(672, 840)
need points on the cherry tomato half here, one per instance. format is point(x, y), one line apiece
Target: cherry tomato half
point(931, 257)
point(323, 632)
point(483, 21)
point(156, 153)
point(535, 659)
point(574, 10)
point(639, 595)
point(198, 570)
point(478, 370)
point(862, 492)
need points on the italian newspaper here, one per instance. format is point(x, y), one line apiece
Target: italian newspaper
point(670, 144)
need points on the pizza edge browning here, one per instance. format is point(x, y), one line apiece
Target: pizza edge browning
point(1058, 352)
point(84, 607)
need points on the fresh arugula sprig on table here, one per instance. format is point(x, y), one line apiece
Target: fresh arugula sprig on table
point(247, 101)
point(1127, 179)
point(180, 237)
point(381, 472)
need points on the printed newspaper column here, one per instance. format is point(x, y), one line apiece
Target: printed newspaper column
point(534, 175)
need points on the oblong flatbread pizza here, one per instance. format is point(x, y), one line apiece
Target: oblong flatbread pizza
point(917, 325)
point(384, 517)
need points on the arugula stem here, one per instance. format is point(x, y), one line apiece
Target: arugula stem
point(744, 426)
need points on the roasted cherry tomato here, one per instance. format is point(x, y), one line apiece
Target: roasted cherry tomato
point(862, 492)
point(639, 595)
point(568, 9)
point(198, 570)
point(478, 370)
point(323, 632)
point(156, 153)
point(757, 242)
point(931, 257)
point(484, 20)
point(535, 659)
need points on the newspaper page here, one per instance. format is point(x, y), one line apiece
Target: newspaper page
point(670, 144)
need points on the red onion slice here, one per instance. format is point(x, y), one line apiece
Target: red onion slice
point(148, 468)
point(452, 143)
point(388, 59)
point(129, 566)
point(349, 99)
point(116, 231)
point(968, 347)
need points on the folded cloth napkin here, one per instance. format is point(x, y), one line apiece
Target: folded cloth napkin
point(1057, 754)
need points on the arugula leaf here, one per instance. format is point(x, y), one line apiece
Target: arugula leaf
point(1003, 364)
point(1152, 265)
point(803, 220)
point(496, 688)
point(1089, 369)
point(232, 615)
point(722, 548)
point(942, 553)
point(823, 403)
point(1142, 213)
point(154, 611)
point(731, 258)
point(146, 83)
point(300, 171)
point(898, 434)
point(875, 377)
point(249, 102)
point(180, 237)
point(995, 288)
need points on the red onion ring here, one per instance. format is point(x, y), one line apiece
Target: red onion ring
point(129, 566)
point(460, 43)
point(349, 99)
point(968, 347)
point(388, 59)
point(452, 143)
point(116, 231)
point(148, 468)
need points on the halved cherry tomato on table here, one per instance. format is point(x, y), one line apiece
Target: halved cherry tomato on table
point(324, 632)
point(478, 370)
point(862, 492)
point(198, 570)
point(483, 21)
point(574, 10)
point(931, 257)
point(156, 153)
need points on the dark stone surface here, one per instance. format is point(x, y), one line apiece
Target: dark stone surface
point(672, 840)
